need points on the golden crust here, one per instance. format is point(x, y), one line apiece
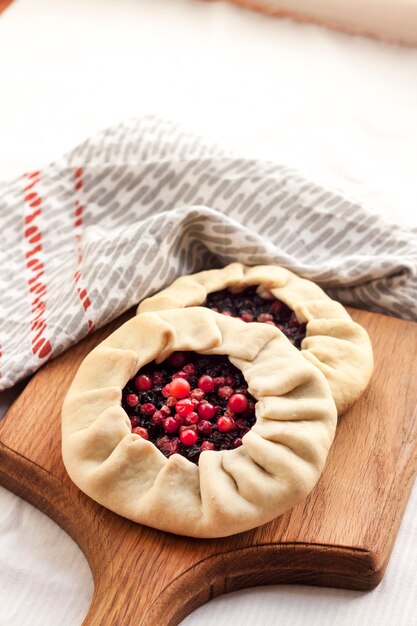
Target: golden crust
point(334, 343)
point(230, 491)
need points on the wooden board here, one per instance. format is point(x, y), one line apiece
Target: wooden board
point(341, 536)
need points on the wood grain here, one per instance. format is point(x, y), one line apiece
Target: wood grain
point(341, 536)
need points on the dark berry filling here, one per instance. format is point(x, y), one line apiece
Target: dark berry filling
point(190, 403)
point(251, 307)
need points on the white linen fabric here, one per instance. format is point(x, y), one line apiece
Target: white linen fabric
point(339, 108)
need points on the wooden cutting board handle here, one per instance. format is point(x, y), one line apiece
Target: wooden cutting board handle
point(341, 536)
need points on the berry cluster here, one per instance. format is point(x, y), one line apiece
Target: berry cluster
point(190, 403)
point(251, 307)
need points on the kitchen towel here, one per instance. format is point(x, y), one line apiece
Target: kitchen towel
point(129, 210)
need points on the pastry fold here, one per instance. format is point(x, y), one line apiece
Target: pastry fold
point(229, 491)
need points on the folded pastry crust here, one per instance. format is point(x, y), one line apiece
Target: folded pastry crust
point(336, 344)
point(230, 491)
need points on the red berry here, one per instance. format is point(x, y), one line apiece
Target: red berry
point(189, 368)
point(180, 374)
point(165, 391)
point(171, 401)
point(206, 411)
point(165, 410)
point(157, 378)
point(191, 418)
point(180, 420)
point(206, 445)
point(170, 425)
point(236, 443)
point(143, 382)
point(148, 408)
point(230, 381)
point(183, 407)
point(246, 316)
point(189, 427)
point(277, 306)
point(132, 399)
point(188, 437)
point(238, 403)
point(179, 388)
point(265, 317)
point(224, 424)
point(197, 394)
point(219, 381)
point(206, 383)
point(176, 360)
point(225, 391)
point(142, 432)
point(157, 417)
point(134, 421)
point(205, 427)
point(168, 445)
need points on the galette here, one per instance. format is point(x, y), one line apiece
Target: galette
point(320, 327)
point(196, 422)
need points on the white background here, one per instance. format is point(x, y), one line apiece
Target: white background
point(342, 109)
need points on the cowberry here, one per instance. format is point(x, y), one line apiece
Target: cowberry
point(224, 424)
point(205, 427)
point(143, 382)
point(142, 432)
point(238, 403)
point(191, 418)
point(206, 410)
point(207, 445)
point(265, 317)
point(188, 437)
point(197, 394)
point(176, 360)
point(157, 418)
point(246, 316)
point(179, 388)
point(183, 407)
point(148, 408)
point(132, 399)
point(170, 425)
point(225, 391)
point(206, 383)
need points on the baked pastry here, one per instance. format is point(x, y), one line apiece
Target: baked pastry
point(276, 463)
point(324, 330)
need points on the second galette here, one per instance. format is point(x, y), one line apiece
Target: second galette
point(319, 326)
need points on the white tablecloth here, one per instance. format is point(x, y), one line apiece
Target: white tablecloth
point(342, 109)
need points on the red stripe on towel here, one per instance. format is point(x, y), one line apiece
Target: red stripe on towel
point(78, 223)
point(32, 238)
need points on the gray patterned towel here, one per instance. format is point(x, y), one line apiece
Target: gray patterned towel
point(126, 212)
